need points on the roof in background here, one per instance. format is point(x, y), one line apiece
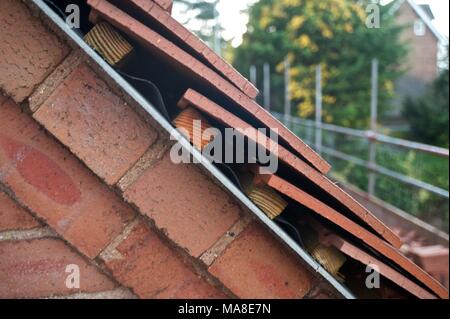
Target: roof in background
point(73, 100)
point(425, 13)
point(427, 9)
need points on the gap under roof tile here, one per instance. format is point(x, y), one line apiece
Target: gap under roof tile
point(168, 51)
point(358, 254)
point(204, 104)
point(370, 239)
point(171, 26)
point(330, 238)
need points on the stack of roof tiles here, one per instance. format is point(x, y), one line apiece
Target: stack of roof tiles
point(86, 177)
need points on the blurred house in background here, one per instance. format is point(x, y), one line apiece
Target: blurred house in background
point(425, 45)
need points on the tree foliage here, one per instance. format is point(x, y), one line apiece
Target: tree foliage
point(332, 33)
point(428, 116)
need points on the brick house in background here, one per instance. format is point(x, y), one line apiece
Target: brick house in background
point(425, 47)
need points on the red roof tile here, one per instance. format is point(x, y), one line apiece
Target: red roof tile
point(373, 241)
point(387, 271)
point(191, 41)
point(160, 46)
point(433, 259)
point(165, 4)
point(202, 103)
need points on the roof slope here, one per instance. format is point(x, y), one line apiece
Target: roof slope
point(91, 161)
point(158, 45)
point(425, 16)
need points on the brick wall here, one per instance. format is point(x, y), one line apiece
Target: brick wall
point(87, 180)
point(34, 261)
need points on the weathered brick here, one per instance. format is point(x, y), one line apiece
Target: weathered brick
point(28, 51)
point(53, 184)
point(153, 270)
point(37, 268)
point(219, 247)
point(152, 156)
point(97, 125)
point(13, 217)
point(192, 210)
point(434, 260)
point(255, 265)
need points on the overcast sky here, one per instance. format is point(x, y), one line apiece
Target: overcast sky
point(234, 21)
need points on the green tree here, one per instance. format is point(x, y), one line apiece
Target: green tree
point(428, 116)
point(332, 33)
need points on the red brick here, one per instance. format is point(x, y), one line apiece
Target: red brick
point(190, 208)
point(37, 268)
point(230, 120)
point(98, 126)
point(46, 88)
point(53, 184)
point(13, 217)
point(160, 47)
point(153, 270)
point(173, 27)
point(28, 51)
point(257, 266)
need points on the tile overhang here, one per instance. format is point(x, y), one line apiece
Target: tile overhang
point(171, 26)
point(77, 42)
point(209, 107)
point(370, 239)
point(168, 51)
